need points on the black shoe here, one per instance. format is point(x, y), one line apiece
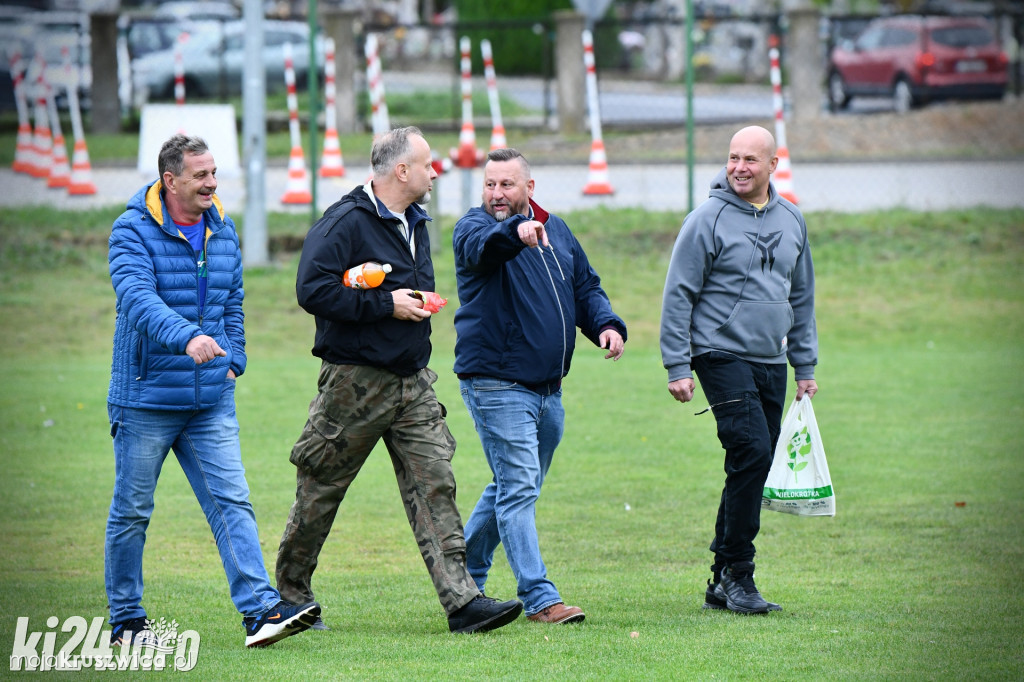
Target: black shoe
point(284, 620)
point(738, 589)
point(718, 603)
point(483, 614)
point(135, 631)
point(319, 624)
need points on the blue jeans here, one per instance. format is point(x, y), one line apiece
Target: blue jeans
point(519, 430)
point(206, 445)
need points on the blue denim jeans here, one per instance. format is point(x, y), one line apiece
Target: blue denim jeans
point(519, 430)
point(206, 445)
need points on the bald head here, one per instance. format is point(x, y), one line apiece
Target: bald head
point(752, 160)
point(753, 137)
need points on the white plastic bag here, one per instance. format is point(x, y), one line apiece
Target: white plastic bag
point(799, 482)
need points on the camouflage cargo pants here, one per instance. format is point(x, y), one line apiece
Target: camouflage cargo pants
point(357, 406)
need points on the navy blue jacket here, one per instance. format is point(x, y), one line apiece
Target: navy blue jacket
point(519, 307)
point(355, 326)
point(154, 274)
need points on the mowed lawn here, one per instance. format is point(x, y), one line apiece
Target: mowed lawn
point(921, 409)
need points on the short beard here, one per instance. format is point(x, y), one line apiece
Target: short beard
point(502, 216)
point(425, 199)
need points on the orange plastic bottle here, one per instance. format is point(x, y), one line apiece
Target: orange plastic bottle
point(366, 276)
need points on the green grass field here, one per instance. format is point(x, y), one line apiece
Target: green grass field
point(921, 410)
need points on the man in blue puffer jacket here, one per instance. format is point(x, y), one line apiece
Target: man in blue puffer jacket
point(525, 285)
point(179, 346)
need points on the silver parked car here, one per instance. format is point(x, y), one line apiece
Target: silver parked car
point(213, 56)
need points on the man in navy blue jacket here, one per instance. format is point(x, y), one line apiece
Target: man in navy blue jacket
point(179, 346)
point(525, 285)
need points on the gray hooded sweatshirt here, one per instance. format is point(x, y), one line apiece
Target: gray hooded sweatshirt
point(741, 281)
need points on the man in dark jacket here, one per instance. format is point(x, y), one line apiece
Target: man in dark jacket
point(374, 382)
point(525, 285)
point(739, 301)
point(179, 346)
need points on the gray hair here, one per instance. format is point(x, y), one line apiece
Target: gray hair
point(390, 148)
point(509, 154)
point(172, 154)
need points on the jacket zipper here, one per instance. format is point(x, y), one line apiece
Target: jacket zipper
point(558, 300)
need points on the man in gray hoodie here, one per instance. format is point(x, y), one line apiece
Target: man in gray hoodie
point(739, 302)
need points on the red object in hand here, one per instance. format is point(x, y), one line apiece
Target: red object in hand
point(432, 302)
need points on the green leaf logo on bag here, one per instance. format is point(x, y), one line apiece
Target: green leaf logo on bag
point(799, 446)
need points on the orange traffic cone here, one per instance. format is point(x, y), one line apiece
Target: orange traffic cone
point(23, 148)
point(467, 155)
point(298, 188)
point(597, 180)
point(331, 163)
point(498, 139)
point(783, 176)
point(81, 170)
point(42, 142)
point(60, 172)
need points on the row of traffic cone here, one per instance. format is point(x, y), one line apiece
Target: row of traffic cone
point(43, 153)
point(468, 156)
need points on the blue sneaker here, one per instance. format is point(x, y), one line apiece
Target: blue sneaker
point(284, 620)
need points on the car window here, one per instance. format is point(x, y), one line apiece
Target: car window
point(898, 37)
point(870, 39)
point(962, 36)
point(276, 38)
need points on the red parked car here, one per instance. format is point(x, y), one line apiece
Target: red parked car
point(916, 59)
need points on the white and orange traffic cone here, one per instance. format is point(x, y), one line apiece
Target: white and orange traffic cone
point(783, 176)
point(23, 146)
point(498, 140)
point(42, 142)
point(298, 188)
point(81, 171)
point(81, 183)
point(380, 118)
point(597, 180)
point(179, 69)
point(60, 171)
point(331, 163)
point(467, 155)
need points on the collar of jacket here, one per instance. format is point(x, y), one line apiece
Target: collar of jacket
point(539, 214)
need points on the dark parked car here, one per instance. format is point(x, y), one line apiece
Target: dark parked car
point(916, 59)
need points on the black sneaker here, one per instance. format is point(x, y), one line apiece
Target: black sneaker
point(284, 620)
point(738, 589)
point(133, 631)
point(715, 602)
point(319, 624)
point(483, 614)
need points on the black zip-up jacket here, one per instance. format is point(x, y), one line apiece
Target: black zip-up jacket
point(355, 326)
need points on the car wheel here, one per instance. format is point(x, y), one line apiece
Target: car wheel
point(902, 96)
point(838, 97)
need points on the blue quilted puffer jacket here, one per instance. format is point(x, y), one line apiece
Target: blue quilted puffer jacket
point(154, 273)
